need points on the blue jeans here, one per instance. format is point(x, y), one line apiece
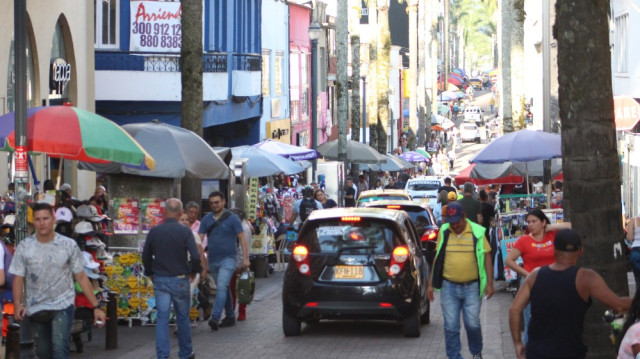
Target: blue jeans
point(174, 290)
point(455, 298)
point(52, 339)
point(222, 270)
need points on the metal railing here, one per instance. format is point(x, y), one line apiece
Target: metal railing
point(156, 62)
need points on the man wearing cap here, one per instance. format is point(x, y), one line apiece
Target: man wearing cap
point(451, 197)
point(447, 186)
point(560, 295)
point(46, 263)
point(462, 271)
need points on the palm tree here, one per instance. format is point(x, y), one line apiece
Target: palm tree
point(191, 75)
point(355, 88)
point(505, 64)
point(372, 71)
point(413, 73)
point(590, 160)
point(383, 51)
point(341, 85)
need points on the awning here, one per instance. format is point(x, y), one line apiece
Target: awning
point(627, 112)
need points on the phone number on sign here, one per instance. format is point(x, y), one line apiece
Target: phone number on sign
point(158, 35)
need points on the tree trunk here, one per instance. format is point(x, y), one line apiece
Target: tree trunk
point(356, 121)
point(423, 68)
point(590, 160)
point(384, 50)
point(433, 43)
point(191, 76)
point(517, 65)
point(412, 81)
point(341, 85)
point(447, 52)
point(372, 71)
point(504, 39)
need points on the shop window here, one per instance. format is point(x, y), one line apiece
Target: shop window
point(106, 18)
point(278, 74)
point(621, 43)
point(266, 67)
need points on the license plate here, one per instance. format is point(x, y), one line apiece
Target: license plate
point(348, 272)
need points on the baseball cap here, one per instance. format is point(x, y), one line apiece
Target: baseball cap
point(454, 212)
point(9, 220)
point(452, 196)
point(9, 207)
point(89, 212)
point(63, 214)
point(84, 227)
point(65, 186)
point(89, 262)
point(567, 240)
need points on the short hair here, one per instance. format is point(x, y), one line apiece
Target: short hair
point(483, 195)
point(192, 204)
point(43, 207)
point(173, 205)
point(447, 180)
point(217, 194)
point(558, 185)
point(468, 187)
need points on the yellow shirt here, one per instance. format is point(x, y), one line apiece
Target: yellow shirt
point(460, 260)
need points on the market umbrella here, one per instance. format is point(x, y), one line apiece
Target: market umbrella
point(532, 168)
point(406, 163)
point(178, 153)
point(437, 128)
point(262, 163)
point(393, 164)
point(466, 175)
point(452, 87)
point(413, 156)
point(285, 150)
point(357, 152)
point(423, 152)
point(521, 146)
point(75, 134)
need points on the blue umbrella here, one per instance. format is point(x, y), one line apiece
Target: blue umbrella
point(521, 146)
point(292, 152)
point(413, 156)
point(262, 163)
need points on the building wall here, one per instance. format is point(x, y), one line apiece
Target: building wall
point(275, 107)
point(76, 17)
point(626, 83)
point(299, 93)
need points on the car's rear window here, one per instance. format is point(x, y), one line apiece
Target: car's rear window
point(359, 237)
point(423, 186)
point(420, 218)
point(381, 197)
point(469, 127)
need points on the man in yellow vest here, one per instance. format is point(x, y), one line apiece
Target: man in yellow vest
point(463, 272)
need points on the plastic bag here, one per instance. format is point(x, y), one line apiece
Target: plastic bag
point(245, 287)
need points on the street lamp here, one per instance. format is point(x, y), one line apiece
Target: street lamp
point(315, 32)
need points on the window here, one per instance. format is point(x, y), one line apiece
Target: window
point(106, 17)
point(304, 86)
point(621, 43)
point(266, 66)
point(278, 72)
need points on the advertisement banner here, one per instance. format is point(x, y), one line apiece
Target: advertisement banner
point(155, 26)
point(152, 210)
point(126, 211)
point(251, 208)
point(506, 245)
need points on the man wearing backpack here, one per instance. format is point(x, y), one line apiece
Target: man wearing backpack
point(303, 207)
point(223, 230)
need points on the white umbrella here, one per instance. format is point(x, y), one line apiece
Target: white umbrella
point(356, 152)
point(262, 163)
point(286, 150)
point(393, 164)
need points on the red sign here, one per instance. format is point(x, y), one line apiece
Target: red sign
point(21, 163)
point(627, 112)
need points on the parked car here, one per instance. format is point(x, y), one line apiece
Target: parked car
point(469, 132)
point(473, 114)
point(425, 189)
point(476, 83)
point(422, 218)
point(356, 263)
point(380, 194)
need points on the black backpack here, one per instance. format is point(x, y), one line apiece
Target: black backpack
point(307, 206)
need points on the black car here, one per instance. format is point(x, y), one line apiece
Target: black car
point(422, 218)
point(356, 263)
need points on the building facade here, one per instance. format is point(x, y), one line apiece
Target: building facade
point(137, 66)
point(60, 67)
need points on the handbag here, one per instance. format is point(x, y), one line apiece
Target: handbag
point(245, 287)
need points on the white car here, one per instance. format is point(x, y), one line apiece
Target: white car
point(424, 189)
point(473, 114)
point(469, 132)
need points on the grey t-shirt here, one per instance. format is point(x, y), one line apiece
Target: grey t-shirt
point(48, 270)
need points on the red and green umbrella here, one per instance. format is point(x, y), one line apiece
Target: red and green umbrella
point(75, 134)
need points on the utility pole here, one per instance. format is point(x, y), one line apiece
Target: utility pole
point(356, 123)
point(21, 165)
point(341, 87)
point(413, 72)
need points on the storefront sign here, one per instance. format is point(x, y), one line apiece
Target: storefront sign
point(155, 26)
point(279, 130)
point(252, 204)
point(59, 75)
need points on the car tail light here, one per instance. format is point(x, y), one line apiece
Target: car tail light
point(312, 304)
point(429, 235)
point(386, 305)
point(393, 206)
point(300, 255)
point(350, 219)
point(398, 259)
